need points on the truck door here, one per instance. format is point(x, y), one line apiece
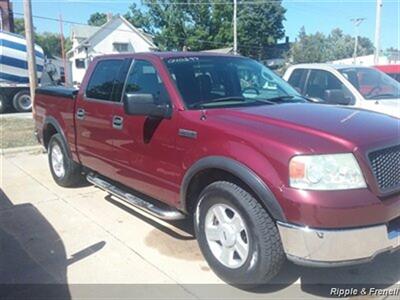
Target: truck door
point(94, 116)
point(144, 148)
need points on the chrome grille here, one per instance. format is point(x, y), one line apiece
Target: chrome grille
point(385, 165)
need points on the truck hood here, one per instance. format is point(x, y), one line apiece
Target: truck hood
point(388, 106)
point(350, 127)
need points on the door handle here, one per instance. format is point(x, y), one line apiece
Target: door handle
point(118, 122)
point(80, 113)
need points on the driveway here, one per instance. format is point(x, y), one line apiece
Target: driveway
point(50, 234)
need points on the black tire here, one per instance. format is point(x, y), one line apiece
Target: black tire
point(265, 252)
point(22, 101)
point(3, 103)
point(72, 171)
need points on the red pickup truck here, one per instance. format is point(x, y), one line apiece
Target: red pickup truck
point(265, 175)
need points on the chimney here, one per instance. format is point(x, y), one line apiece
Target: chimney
point(109, 16)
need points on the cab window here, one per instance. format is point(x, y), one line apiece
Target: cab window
point(144, 79)
point(320, 82)
point(102, 81)
point(297, 79)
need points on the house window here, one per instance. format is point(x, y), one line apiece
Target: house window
point(120, 47)
point(80, 63)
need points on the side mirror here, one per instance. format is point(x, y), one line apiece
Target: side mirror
point(144, 105)
point(336, 97)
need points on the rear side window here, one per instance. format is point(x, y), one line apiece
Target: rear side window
point(102, 81)
point(297, 78)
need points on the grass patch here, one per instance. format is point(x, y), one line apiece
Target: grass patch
point(16, 132)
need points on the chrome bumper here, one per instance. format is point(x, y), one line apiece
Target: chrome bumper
point(315, 247)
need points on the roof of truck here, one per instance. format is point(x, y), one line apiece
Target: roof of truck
point(171, 54)
point(326, 66)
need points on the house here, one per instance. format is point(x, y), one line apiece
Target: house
point(116, 36)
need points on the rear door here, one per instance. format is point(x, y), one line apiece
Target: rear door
point(94, 114)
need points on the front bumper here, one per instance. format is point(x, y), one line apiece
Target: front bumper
point(337, 247)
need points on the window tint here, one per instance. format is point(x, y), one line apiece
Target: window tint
point(296, 79)
point(143, 79)
point(320, 81)
point(103, 78)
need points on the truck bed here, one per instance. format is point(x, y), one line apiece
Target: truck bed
point(57, 91)
point(55, 106)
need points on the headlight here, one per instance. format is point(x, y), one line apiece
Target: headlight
point(325, 172)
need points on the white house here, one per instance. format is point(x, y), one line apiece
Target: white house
point(116, 36)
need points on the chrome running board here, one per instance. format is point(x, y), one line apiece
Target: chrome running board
point(162, 211)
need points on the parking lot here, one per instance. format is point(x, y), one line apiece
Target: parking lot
point(51, 234)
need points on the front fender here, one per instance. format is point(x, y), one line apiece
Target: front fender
point(243, 173)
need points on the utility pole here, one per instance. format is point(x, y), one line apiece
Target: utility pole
point(235, 27)
point(356, 22)
point(378, 31)
point(30, 46)
point(62, 49)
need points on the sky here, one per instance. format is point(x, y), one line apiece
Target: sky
point(322, 15)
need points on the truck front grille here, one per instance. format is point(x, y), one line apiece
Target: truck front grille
point(385, 165)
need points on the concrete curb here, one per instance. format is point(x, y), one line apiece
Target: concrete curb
point(27, 115)
point(31, 149)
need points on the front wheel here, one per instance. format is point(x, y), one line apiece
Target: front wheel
point(22, 101)
point(237, 237)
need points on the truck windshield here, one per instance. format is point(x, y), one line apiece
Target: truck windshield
point(214, 81)
point(372, 84)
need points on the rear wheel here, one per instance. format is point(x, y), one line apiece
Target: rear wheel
point(64, 170)
point(237, 237)
point(22, 101)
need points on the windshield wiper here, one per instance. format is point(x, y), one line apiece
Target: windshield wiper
point(279, 98)
point(224, 99)
point(233, 98)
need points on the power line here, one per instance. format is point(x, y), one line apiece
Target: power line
point(221, 44)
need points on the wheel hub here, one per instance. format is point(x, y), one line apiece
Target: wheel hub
point(227, 235)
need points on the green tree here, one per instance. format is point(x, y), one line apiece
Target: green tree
point(309, 48)
point(50, 42)
point(365, 46)
point(19, 26)
point(339, 45)
point(316, 48)
point(97, 19)
point(208, 24)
